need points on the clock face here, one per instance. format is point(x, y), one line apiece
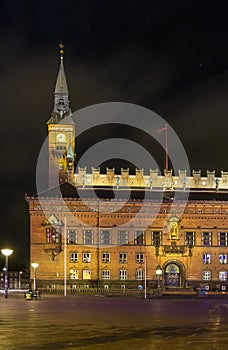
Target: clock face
point(60, 137)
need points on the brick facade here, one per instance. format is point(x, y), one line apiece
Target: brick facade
point(193, 245)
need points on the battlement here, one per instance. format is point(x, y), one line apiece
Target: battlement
point(153, 180)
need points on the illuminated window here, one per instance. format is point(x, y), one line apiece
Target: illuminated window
point(86, 257)
point(189, 238)
point(222, 275)
point(206, 258)
point(139, 237)
point(105, 257)
point(223, 258)
point(122, 257)
point(74, 274)
point(53, 235)
point(206, 239)
point(156, 238)
point(139, 274)
point(206, 276)
point(88, 237)
point(140, 258)
point(73, 257)
point(72, 237)
point(123, 274)
point(86, 274)
point(105, 237)
point(106, 274)
point(222, 239)
point(123, 237)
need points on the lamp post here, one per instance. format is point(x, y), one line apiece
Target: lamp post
point(7, 253)
point(145, 280)
point(19, 279)
point(158, 273)
point(34, 265)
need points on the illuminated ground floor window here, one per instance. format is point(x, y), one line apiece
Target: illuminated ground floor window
point(86, 274)
point(222, 275)
point(206, 275)
point(73, 274)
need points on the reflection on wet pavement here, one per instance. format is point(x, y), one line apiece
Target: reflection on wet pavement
point(111, 323)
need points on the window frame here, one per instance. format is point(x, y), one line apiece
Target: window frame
point(123, 240)
point(105, 274)
point(53, 231)
point(86, 257)
point(139, 238)
point(122, 257)
point(74, 257)
point(123, 274)
point(140, 258)
point(88, 237)
point(74, 233)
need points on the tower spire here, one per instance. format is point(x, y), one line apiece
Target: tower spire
point(61, 107)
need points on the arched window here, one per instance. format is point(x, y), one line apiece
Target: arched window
point(139, 274)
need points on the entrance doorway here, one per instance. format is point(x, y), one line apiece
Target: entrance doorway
point(172, 276)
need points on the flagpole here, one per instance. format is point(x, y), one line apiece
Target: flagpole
point(166, 148)
point(145, 280)
point(65, 246)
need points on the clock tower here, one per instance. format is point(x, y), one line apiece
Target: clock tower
point(61, 133)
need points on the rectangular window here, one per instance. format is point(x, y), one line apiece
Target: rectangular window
point(106, 274)
point(223, 258)
point(88, 237)
point(53, 235)
point(86, 257)
point(139, 237)
point(123, 274)
point(222, 275)
point(105, 237)
point(206, 239)
point(74, 274)
point(206, 275)
point(123, 237)
point(71, 237)
point(189, 238)
point(222, 239)
point(105, 257)
point(156, 238)
point(86, 274)
point(206, 258)
point(140, 258)
point(73, 257)
point(139, 274)
point(123, 258)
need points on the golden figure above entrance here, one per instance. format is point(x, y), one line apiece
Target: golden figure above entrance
point(173, 226)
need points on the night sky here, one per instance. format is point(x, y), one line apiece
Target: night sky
point(170, 56)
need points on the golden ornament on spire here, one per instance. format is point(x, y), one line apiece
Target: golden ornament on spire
point(61, 50)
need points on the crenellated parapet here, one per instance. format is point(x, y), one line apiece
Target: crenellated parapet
point(152, 180)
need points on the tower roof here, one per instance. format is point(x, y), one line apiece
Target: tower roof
point(61, 83)
point(61, 107)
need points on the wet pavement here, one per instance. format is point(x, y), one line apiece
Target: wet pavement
point(91, 323)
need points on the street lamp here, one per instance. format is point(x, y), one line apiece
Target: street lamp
point(158, 273)
point(7, 253)
point(34, 265)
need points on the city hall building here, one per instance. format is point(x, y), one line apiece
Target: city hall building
point(81, 240)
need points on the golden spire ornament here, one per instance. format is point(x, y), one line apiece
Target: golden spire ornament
point(61, 50)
